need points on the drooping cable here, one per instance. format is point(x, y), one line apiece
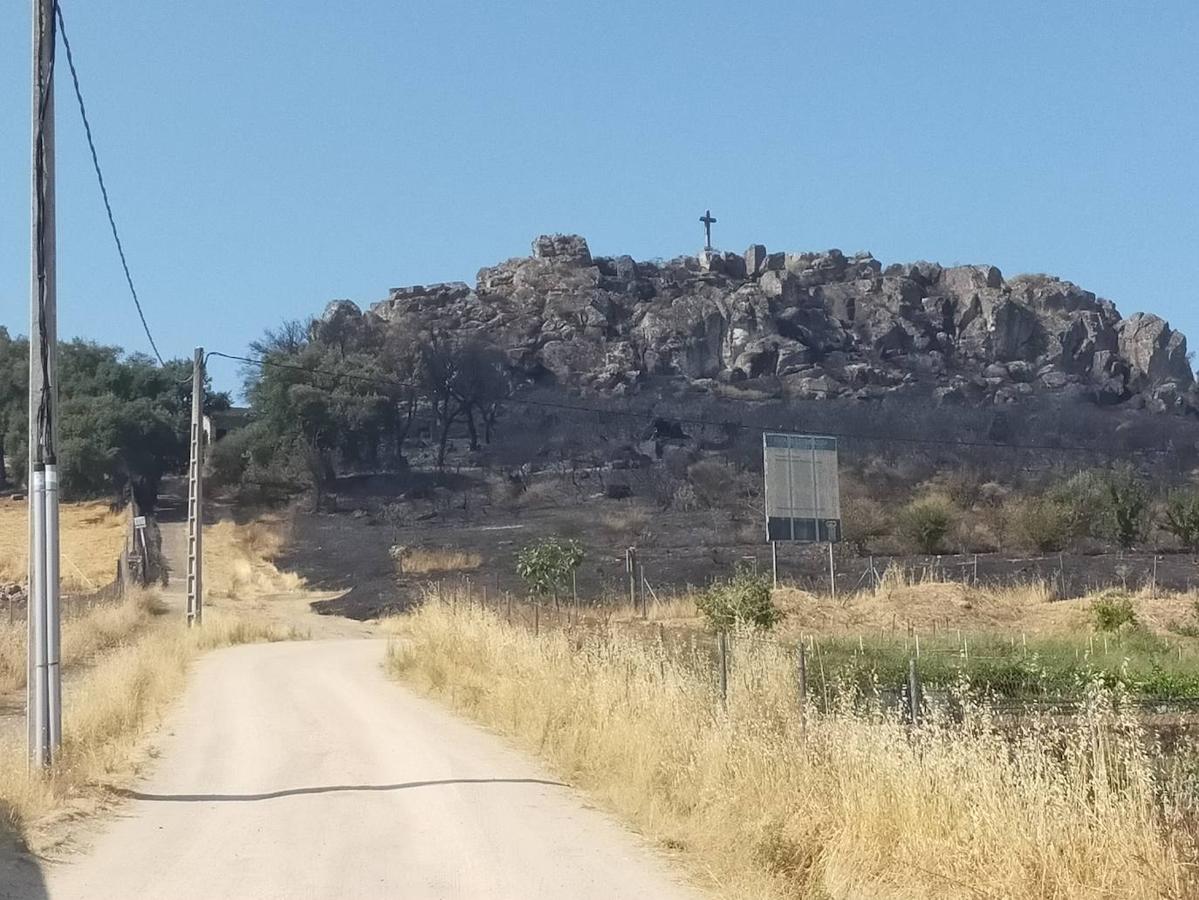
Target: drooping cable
point(87, 128)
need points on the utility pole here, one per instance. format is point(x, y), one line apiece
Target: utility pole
point(195, 497)
point(44, 694)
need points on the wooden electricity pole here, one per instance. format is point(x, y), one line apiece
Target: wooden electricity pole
point(195, 497)
point(44, 695)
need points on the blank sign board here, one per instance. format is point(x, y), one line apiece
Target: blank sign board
point(803, 499)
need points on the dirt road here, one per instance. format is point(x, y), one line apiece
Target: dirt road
point(299, 770)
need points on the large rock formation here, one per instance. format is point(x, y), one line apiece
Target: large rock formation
point(802, 325)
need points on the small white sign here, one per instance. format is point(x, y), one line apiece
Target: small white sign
point(139, 521)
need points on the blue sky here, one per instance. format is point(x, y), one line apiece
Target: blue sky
point(264, 158)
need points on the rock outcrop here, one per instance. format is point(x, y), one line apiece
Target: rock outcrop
point(799, 324)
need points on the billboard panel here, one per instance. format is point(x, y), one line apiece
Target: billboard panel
point(803, 499)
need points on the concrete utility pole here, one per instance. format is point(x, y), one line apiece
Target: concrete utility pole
point(44, 694)
point(195, 497)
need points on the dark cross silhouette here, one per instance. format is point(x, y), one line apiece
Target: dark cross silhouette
point(707, 219)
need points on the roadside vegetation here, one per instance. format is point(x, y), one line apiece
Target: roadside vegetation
point(766, 797)
point(240, 558)
point(85, 635)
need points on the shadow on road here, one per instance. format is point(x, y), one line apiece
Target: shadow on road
point(324, 789)
point(20, 874)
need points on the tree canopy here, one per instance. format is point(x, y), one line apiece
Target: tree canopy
point(123, 420)
point(334, 394)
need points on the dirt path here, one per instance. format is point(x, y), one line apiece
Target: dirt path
point(300, 770)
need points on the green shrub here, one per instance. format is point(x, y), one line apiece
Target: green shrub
point(1110, 505)
point(926, 522)
point(744, 599)
point(1043, 524)
point(1127, 507)
point(1113, 610)
point(1083, 499)
point(1181, 517)
point(547, 565)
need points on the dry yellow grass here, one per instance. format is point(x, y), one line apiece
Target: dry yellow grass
point(108, 714)
point(765, 803)
point(429, 560)
point(92, 632)
point(91, 534)
point(906, 598)
point(238, 560)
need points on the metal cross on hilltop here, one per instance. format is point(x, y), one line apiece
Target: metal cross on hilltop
point(707, 219)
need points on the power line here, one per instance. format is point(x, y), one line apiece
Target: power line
point(62, 29)
point(694, 422)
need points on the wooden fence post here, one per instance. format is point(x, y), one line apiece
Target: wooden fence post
point(803, 687)
point(914, 690)
point(724, 668)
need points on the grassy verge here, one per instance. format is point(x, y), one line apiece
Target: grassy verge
point(764, 800)
point(84, 636)
point(109, 712)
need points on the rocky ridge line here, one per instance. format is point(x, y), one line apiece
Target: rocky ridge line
point(802, 325)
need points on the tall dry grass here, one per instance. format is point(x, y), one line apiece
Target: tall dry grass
point(431, 560)
point(763, 801)
point(84, 636)
point(239, 560)
point(108, 714)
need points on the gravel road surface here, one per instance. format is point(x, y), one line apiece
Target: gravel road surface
point(300, 770)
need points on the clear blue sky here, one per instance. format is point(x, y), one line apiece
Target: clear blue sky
point(264, 158)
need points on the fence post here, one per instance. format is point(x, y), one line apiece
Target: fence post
point(536, 619)
point(832, 572)
point(508, 598)
point(630, 567)
point(641, 588)
point(803, 687)
point(914, 690)
point(1153, 580)
point(661, 652)
point(724, 668)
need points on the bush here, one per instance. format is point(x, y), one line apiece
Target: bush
point(1113, 610)
point(1043, 524)
point(926, 522)
point(744, 599)
point(547, 565)
point(1182, 517)
point(711, 481)
point(863, 520)
point(1127, 507)
point(1111, 505)
point(1083, 498)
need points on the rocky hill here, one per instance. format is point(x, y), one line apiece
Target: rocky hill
point(802, 326)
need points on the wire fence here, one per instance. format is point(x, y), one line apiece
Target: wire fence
point(1012, 676)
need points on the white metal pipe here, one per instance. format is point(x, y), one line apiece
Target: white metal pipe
point(53, 611)
point(39, 707)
